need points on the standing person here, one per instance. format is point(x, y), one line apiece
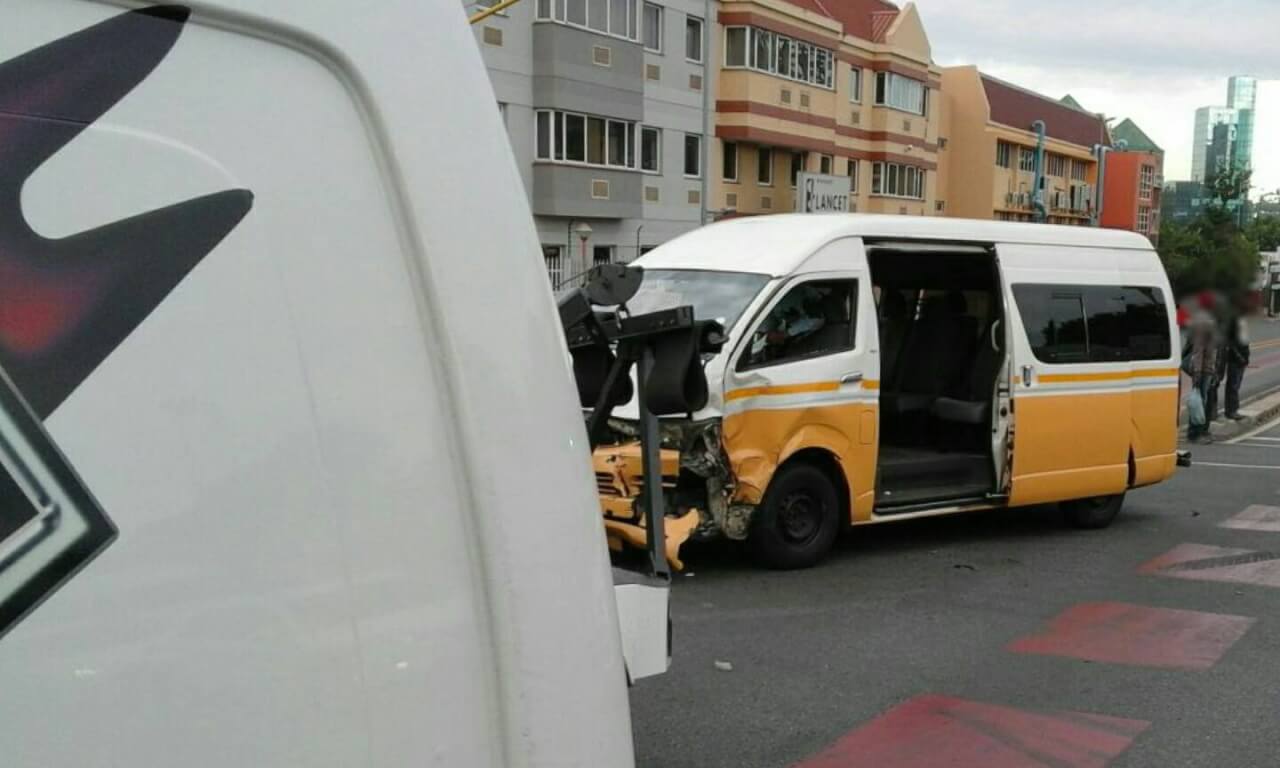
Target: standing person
point(1202, 362)
point(1237, 354)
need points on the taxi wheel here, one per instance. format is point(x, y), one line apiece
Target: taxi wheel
point(1094, 513)
point(798, 521)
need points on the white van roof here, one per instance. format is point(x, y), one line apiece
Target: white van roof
point(778, 244)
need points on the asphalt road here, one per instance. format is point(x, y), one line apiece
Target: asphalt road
point(1263, 374)
point(996, 640)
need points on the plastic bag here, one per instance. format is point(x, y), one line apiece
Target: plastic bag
point(1195, 408)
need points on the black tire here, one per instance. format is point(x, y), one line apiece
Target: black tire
point(1094, 513)
point(797, 524)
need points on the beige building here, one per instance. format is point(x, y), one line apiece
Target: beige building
point(987, 166)
point(843, 88)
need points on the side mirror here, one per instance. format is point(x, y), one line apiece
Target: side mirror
point(609, 285)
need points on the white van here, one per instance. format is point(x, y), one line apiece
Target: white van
point(292, 469)
point(882, 368)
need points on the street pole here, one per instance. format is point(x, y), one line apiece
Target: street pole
point(1037, 189)
point(706, 112)
point(1101, 151)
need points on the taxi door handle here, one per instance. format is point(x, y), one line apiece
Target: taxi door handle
point(851, 378)
point(1027, 373)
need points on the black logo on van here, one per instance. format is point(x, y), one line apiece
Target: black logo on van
point(66, 304)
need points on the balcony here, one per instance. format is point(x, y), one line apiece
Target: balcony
point(588, 192)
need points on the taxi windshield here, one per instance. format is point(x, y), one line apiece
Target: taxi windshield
point(720, 296)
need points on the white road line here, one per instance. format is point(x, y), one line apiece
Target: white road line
point(1254, 433)
point(1267, 439)
point(1250, 444)
point(1195, 463)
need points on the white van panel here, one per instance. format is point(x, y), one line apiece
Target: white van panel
point(344, 537)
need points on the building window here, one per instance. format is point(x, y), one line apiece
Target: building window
point(1146, 181)
point(896, 180)
point(572, 138)
point(1078, 170)
point(797, 165)
point(650, 149)
point(692, 155)
point(826, 164)
point(852, 168)
point(855, 85)
point(1144, 218)
point(762, 56)
point(552, 255)
point(601, 254)
point(776, 54)
point(1056, 165)
point(1004, 154)
point(616, 18)
point(899, 92)
point(1026, 159)
point(652, 27)
point(730, 169)
point(735, 46)
point(764, 166)
point(693, 39)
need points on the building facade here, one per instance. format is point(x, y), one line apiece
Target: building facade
point(988, 161)
point(1132, 181)
point(603, 105)
point(846, 89)
point(1207, 118)
point(1183, 201)
point(1224, 135)
point(1242, 96)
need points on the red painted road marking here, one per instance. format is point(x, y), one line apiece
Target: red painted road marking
point(933, 731)
point(1120, 633)
point(1257, 517)
point(1201, 562)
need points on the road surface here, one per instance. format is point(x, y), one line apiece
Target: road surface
point(996, 640)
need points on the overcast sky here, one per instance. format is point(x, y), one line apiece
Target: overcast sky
point(1154, 61)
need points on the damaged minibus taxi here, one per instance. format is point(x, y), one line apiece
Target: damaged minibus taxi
point(883, 368)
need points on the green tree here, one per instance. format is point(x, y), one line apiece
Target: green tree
point(1264, 231)
point(1230, 185)
point(1209, 253)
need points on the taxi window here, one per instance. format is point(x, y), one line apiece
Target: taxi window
point(812, 320)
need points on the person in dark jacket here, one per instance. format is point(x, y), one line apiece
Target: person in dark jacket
point(1237, 354)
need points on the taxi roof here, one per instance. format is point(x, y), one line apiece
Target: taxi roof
point(778, 244)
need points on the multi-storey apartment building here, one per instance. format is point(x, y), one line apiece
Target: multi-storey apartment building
point(604, 107)
point(989, 170)
point(842, 88)
point(1133, 182)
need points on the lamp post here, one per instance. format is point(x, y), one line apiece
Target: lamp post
point(583, 231)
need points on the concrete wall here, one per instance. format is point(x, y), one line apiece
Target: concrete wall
point(971, 152)
point(541, 65)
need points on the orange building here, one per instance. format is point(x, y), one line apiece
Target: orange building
point(1132, 179)
point(843, 88)
point(988, 161)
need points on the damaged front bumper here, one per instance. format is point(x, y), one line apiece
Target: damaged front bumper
point(697, 485)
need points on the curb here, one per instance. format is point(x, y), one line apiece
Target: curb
point(1257, 410)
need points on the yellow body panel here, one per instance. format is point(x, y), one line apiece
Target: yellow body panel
point(1078, 444)
point(1070, 446)
point(758, 441)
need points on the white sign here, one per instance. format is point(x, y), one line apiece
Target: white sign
point(818, 193)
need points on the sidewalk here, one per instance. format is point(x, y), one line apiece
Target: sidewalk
point(1256, 412)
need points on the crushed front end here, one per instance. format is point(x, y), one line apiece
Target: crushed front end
point(696, 481)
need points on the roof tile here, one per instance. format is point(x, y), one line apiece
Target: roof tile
point(1019, 108)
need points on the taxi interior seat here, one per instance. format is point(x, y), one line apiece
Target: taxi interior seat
point(934, 350)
